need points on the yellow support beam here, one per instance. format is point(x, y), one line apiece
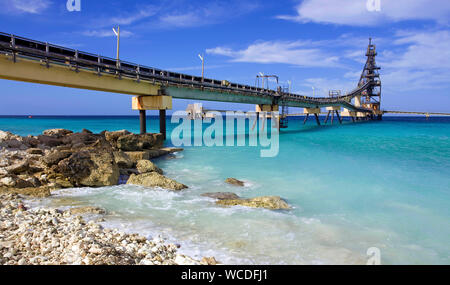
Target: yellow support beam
point(35, 72)
point(311, 110)
point(267, 108)
point(152, 103)
point(333, 108)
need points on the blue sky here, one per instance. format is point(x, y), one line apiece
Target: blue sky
point(313, 43)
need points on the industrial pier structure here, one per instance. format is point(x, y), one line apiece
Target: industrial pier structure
point(27, 60)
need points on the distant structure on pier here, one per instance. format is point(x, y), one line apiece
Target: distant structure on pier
point(195, 111)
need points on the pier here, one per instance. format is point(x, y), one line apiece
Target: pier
point(27, 60)
point(427, 114)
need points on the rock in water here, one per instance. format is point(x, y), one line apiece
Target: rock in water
point(221, 195)
point(267, 202)
point(208, 261)
point(154, 179)
point(133, 142)
point(145, 166)
point(234, 181)
point(135, 156)
point(87, 210)
point(93, 168)
point(104, 173)
point(185, 260)
point(154, 153)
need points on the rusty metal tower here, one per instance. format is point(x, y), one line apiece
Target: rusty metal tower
point(371, 97)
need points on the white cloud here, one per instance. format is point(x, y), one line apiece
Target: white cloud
point(188, 15)
point(355, 12)
point(142, 13)
point(25, 6)
point(425, 50)
point(189, 19)
point(295, 53)
point(419, 60)
point(106, 33)
point(323, 85)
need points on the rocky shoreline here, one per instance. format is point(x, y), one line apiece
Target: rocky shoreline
point(58, 159)
point(55, 237)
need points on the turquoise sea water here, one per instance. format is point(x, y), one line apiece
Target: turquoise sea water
point(373, 184)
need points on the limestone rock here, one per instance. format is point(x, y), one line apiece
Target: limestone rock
point(49, 141)
point(154, 179)
point(87, 210)
point(35, 151)
point(221, 195)
point(6, 136)
point(18, 168)
point(14, 144)
point(185, 260)
point(128, 143)
point(172, 149)
point(234, 181)
point(112, 137)
point(155, 153)
point(55, 157)
point(80, 140)
point(144, 166)
point(56, 132)
point(123, 160)
point(93, 168)
point(208, 261)
point(135, 156)
point(21, 184)
point(104, 173)
point(7, 182)
point(39, 192)
point(133, 142)
point(267, 202)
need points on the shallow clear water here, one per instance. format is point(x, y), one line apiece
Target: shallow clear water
point(376, 184)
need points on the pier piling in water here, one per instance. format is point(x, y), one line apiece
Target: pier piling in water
point(156, 102)
point(315, 111)
point(162, 123)
point(143, 121)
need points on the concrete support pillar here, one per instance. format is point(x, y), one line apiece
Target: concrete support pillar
point(339, 118)
point(315, 111)
point(317, 118)
point(156, 102)
point(331, 110)
point(348, 113)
